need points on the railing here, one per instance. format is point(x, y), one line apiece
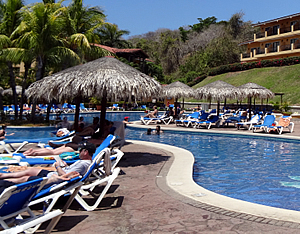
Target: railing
point(260, 35)
point(296, 27)
point(297, 46)
point(272, 49)
point(247, 55)
point(285, 30)
point(260, 51)
point(271, 33)
point(285, 47)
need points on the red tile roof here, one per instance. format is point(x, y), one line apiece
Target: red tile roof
point(116, 50)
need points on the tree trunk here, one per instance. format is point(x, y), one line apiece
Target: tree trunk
point(39, 75)
point(12, 82)
point(48, 111)
point(27, 66)
point(103, 113)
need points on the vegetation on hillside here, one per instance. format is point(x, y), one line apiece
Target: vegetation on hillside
point(278, 79)
point(191, 51)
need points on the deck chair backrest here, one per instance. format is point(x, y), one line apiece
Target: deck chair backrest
point(213, 118)
point(255, 118)
point(17, 197)
point(204, 116)
point(194, 115)
point(106, 143)
point(94, 164)
point(284, 121)
point(269, 120)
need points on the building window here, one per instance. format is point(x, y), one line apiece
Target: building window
point(294, 40)
point(275, 46)
point(275, 29)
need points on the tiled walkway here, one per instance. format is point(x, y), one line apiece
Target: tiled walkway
point(141, 202)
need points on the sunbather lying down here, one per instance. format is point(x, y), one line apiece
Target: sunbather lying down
point(96, 139)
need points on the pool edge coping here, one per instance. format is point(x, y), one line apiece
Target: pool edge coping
point(183, 184)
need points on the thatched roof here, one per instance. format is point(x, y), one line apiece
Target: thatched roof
point(177, 90)
point(10, 92)
point(218, 90)
point(255, 91)
point(104, 76)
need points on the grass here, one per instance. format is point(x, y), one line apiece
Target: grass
point(278, 79)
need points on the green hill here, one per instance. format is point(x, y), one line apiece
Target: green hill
point(284, 79)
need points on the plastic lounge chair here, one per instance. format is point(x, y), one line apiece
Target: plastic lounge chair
point(160, 119)
point(14, 201)
point(45, 159)
point(236, 119)
point(256, 119)
point(269, 120)
point(211, 119)
point(98, 176)
point(284, 122)
point(72, 187)
point(186, 120)
point(7, 144)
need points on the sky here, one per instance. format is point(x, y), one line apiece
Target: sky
point(142, 16)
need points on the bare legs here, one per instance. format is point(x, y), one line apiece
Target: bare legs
point(20, 176)
point(46, 152)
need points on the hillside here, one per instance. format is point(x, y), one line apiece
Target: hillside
point(284, 79)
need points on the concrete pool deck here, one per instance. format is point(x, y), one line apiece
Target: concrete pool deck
point(156, 194)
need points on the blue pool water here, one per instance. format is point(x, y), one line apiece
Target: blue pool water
point(259, 170)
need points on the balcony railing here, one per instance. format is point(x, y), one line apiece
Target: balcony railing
point(260, 35)
point(297, 46)
point(285, 47)
point(285, 30)
point(260, 51)
point(247, 55)
point(272, 49)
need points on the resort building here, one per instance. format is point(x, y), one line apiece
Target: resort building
point(276, 38)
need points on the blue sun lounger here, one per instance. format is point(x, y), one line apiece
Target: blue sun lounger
point(269, 120)
point(14, 200)
point(11, 149)
point(44, 160)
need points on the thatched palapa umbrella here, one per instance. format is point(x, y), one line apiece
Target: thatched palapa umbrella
point(177, 90)
point(105, 78)
point(218, 90)
point(10, 92)
point(252, 90)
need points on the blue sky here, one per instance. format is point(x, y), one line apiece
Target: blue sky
point(142, 16)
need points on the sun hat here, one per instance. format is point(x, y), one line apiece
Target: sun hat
point(88, 146)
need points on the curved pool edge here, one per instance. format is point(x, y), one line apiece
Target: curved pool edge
point(179, 179)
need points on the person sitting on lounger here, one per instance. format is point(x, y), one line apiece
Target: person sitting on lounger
point(62, 172)
point(152, 114)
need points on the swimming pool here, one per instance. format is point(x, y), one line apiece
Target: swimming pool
point(259, 170)
point(254, 170)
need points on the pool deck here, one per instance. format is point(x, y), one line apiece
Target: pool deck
point(156, 194)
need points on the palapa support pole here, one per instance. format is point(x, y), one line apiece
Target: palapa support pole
point(103, 113)
point(175, 108)
point(77, 110)
point(218, 108)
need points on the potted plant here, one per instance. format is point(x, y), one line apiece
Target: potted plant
point(95, 101)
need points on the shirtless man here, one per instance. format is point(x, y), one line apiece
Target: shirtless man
point(152, 114)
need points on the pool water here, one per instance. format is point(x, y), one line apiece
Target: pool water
point(259, 170)
point(255, 170)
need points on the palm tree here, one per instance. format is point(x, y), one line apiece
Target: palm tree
point(111, 36)
point(9, 22)
point(40, 32)
point(82, 22)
